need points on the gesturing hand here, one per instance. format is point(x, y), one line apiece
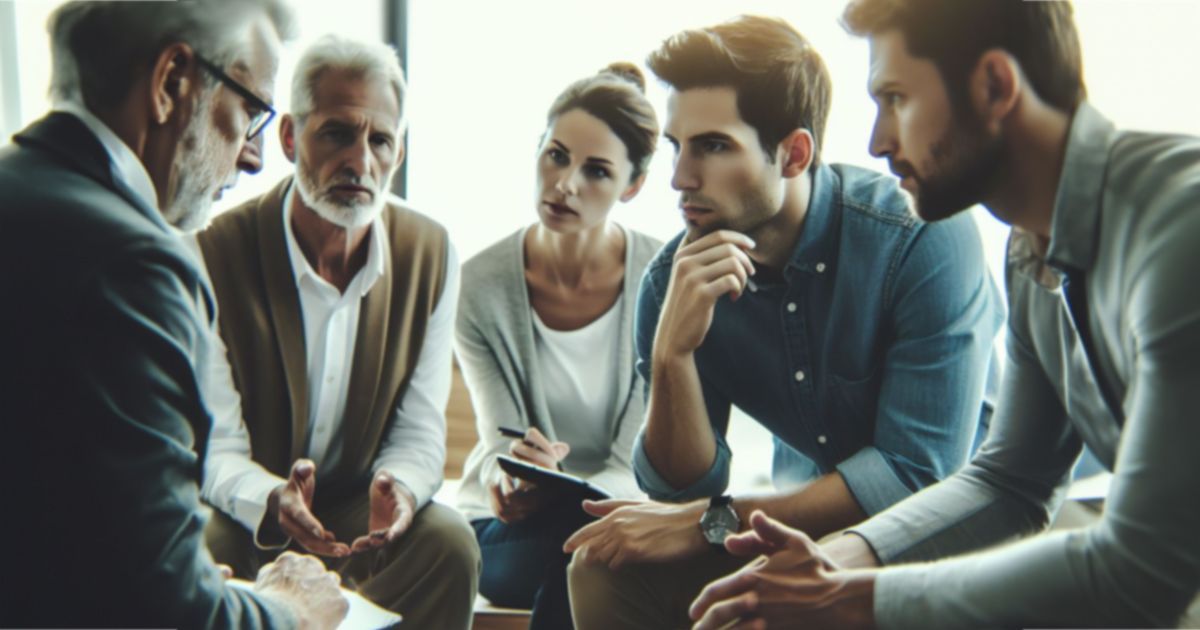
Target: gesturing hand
point(392, 511)
point(792, 584)
point(302, 584)
point(714, 265)
point(639, 531)
point(291, 504)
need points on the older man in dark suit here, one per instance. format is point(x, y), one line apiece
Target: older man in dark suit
point(106, 318)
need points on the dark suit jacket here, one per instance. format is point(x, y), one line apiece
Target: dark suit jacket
point(102, 427)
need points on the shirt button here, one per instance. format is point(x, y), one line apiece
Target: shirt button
point(821, 439)
point(820, 267)
point(799, 375)
point(791, 307)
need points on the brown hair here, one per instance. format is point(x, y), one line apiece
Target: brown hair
point(953, 34)
point(615, 95)
point(781, 82)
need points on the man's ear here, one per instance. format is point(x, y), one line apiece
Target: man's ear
point(287, 136)
point(797, 152)
point(174, 79)
point(995, 86)
point(633, 189)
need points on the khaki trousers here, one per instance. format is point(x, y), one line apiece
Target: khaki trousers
point(429, 575)
point(654, 596)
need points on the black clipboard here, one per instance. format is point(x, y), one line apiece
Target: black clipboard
point(558, 482)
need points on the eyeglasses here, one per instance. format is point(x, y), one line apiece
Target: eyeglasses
point(261, 111)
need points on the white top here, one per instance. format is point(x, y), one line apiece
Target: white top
point(495, 340)
point(414, 446)
point(579, 371)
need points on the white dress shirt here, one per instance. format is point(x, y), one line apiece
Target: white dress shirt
point(414, 445)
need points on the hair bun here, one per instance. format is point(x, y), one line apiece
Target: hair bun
point(627, 71)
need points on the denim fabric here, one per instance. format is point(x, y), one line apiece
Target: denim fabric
point(524, 565)
point(872, 357)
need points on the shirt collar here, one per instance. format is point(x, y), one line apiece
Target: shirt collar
point(814, 246)
point(126, 166)
point(1075, 225)
point(377, 249)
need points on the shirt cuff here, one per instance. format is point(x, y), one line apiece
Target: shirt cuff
point(713, 483)
point(249, 508)
point(872, 481)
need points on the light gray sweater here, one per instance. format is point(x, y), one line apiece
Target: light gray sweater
point(494, 341)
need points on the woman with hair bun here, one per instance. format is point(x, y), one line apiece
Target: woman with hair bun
point(544, 337)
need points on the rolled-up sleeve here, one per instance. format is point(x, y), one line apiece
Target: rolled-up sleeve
point(947, 310)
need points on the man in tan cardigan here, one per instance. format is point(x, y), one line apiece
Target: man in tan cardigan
point(335, 310)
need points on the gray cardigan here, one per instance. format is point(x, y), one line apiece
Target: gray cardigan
point(494, 341)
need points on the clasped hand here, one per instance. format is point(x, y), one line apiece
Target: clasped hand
point(391, 513)
point(793, 583)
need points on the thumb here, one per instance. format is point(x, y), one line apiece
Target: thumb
point(560, 449)
point(303, 469)
point(773, 532)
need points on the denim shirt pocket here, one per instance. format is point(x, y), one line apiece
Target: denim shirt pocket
point(852, 406)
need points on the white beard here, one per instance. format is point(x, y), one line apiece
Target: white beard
point(197, 165)
point(347, 215)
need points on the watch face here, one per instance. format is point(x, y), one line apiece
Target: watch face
point(719, 522)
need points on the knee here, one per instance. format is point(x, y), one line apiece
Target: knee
point(445, 537)
point(592, 588)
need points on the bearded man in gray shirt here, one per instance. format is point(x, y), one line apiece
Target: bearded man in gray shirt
point(984, 101)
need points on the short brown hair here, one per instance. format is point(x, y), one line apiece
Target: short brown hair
point(953, 34)
point(615, 95)
point(781, 82)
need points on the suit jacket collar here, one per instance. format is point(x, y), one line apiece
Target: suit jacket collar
point(68, 138)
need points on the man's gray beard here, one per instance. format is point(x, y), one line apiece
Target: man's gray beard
point(348, 216)
point(196, 165)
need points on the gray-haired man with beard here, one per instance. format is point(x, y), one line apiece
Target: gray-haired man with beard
point(107, 317)
point(336, 306)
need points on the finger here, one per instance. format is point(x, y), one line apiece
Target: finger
point(722, 252)
point(535, 456)
point(226, 571)
point(728, 587)
point(748, 544)
point(560, 450)
point(325, 544)
point(299, 516)
point(605, 507)
point(537, 439)
point(715, 238)
point(773, 532)
point(723, 613)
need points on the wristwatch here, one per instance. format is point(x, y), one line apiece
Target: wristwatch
point(719, 521)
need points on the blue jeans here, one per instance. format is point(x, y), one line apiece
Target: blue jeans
point(524, 565)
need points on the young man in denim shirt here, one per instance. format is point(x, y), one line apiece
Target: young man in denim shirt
point(984, 101)
point(805, 293)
